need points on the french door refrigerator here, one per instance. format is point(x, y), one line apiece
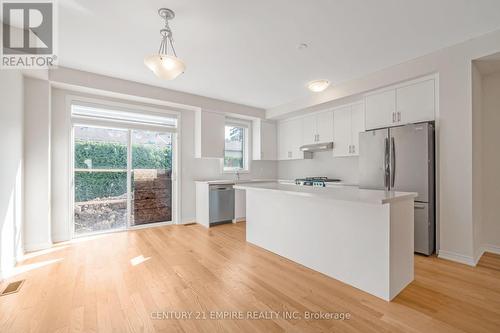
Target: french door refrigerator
point(402, 159)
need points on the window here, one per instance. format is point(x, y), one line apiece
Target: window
point(235, 150)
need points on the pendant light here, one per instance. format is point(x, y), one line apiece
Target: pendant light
point(164, 65)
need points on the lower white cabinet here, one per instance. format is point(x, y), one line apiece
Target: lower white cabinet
point(348, 122)
point(240, 209)
point(290, 139)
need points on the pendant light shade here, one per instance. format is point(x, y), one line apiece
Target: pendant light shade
point(164, 65)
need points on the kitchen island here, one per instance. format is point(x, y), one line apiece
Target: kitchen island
point(361, 237)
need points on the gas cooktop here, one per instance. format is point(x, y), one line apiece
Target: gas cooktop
point(315, 181)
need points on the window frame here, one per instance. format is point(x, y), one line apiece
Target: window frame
point(246, 147)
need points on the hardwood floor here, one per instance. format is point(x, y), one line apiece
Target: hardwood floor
point(102, 284)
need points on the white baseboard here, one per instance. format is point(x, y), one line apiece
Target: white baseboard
point(37, 246)
point(487, 248)
point(457, 257)
point(239, 219)
point(188, 221)
point(491, 248)
point(4, 274)
point(57, 238)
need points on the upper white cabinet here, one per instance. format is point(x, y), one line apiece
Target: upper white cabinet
point(317, 128)
point(416, 102)
point(380, 109)
point(357, 126)
point(404, 104)
point(342, 131)
point(209, 134)
point(324, 121)
point(348, 122)
point(264, 140)
point(290, 139)
point(309, 129)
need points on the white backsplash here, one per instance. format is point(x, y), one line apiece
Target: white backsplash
point(323, 164)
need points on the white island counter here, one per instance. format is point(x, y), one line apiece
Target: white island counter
point(361, 237)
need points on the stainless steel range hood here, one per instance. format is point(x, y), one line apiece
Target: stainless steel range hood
point(317, 147)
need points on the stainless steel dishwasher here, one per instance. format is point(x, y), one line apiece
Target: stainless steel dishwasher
point(221, 207)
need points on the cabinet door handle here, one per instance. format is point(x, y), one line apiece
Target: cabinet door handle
point(399, 116)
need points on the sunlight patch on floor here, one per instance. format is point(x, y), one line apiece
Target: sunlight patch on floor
point(138, 260)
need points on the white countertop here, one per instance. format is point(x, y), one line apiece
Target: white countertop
point(234, 181)
point(343, 193)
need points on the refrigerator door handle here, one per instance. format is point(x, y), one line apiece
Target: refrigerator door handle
point(393, 162)
point(386, 164)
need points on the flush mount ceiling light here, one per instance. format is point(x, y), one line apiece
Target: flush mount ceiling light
point(318, 85)
point(165, 66)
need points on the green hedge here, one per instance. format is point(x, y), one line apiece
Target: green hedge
point(92, 185)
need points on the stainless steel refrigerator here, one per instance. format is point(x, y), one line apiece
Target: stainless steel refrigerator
point(402, 159)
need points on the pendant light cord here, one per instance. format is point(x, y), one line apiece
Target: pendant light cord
point(166, 33)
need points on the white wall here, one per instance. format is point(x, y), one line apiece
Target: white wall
point(37, 233)
point(491, 162)
point(477, 157)
point(324, 165)
point(454, 122)
point(11, 168)
point(60, 168)
point(191, 169)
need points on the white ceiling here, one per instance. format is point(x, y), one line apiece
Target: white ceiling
point(246, 51)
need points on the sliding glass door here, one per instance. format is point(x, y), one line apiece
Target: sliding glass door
point(100, 179)
point(151, 193)
point(122, 178)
